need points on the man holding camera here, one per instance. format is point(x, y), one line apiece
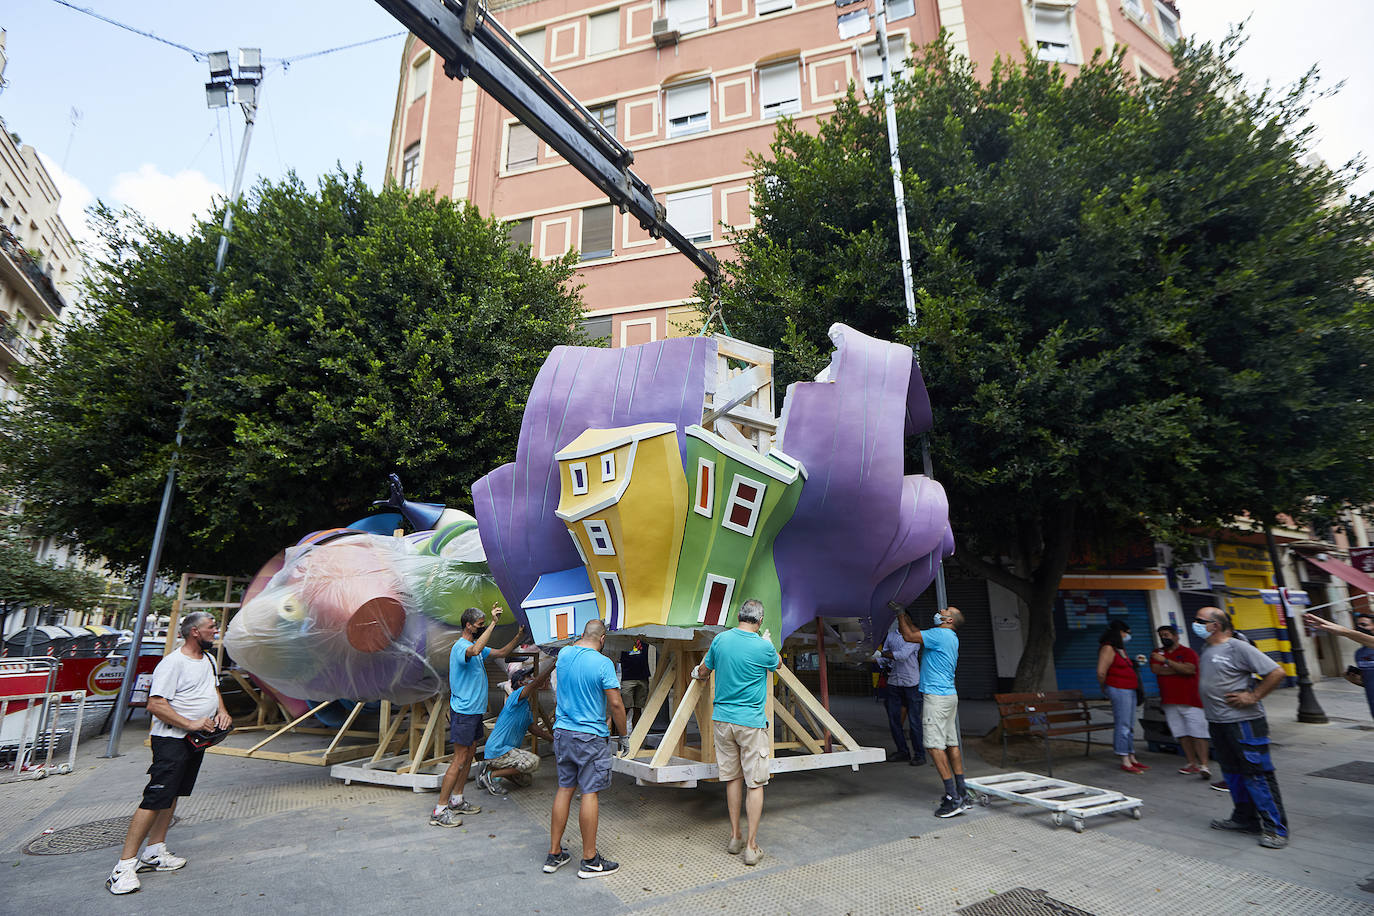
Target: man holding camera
point(184, 698)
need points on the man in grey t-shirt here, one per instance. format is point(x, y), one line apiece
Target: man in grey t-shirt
point(1231, 699)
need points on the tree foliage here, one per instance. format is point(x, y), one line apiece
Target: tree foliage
point(352, 333)
point(28, 582)
point(1141, 308)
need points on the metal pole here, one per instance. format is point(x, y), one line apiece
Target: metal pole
point(1309, 710)
point(904, 245)
point(145, 598)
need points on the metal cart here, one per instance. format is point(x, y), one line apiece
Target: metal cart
point(1058, 796)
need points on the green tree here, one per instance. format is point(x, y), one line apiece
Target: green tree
point(351, 334)
point(1142, 309)
point(26, 582)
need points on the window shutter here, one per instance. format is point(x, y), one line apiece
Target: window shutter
point(772, 6)
point(900, 9)
point(780, 89)
point(687, 15)
point(1053, 34)
point(596, 232)
point(520, 232)
point(690, 212)
point(688, 108)
point(522, 148)
point(873, 64)
point(419, 77)
point(603, 32)
point(533, 43)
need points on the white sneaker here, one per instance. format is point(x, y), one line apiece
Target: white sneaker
point(122, 881)
point(163, 861)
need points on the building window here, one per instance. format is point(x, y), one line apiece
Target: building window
point(577, 471)
point(607, 467)
point(1135, 8)
point(1053, 33)
point(780, 89)
point(419, 76)
point(596, 231)
point(690, 212)
point(1168, 22)
point(715, 600)
point(900, 9)
point(764, 7)
point(603, 32)
point(522, 148)
point(410, 167)
point(742, 508)
point(598, 330)
point(706, 487)
point(687, 15)
point(560, 622)
point(605, 115)
point(600, 537)
point(615, 600)
point(520, 233)
point(689, 108)
point(533, 43)
point(873, 63)
point(577, 545)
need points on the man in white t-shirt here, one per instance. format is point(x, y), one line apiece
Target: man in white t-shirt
point(184, 697)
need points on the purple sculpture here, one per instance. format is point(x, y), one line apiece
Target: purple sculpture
point(578, 388)
point(862, 534)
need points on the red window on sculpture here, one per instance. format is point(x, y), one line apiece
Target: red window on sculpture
point(742, 508)
point(715, 603)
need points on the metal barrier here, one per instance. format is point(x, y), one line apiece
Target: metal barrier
point(30, 713)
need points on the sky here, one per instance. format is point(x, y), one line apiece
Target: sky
point(145, 139)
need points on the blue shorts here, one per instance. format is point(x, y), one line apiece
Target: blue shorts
point(465, 729)
point(584, 760)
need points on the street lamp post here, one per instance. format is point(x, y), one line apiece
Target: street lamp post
point(246, 88)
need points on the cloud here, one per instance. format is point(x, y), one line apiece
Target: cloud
point(76, 197)
point(170, 202)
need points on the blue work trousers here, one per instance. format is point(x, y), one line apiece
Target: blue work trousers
point(910, 697)
point(1242, 749)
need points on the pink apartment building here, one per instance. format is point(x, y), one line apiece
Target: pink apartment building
point(693, 87)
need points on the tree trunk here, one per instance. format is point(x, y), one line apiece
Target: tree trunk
point(1054, 559)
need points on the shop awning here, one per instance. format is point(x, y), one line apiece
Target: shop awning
point(1088, 580)
point(1361, 582)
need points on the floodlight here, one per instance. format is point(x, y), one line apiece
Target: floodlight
point(246, 91)
point(250, 61)
point(219, 64)
point(216, 95)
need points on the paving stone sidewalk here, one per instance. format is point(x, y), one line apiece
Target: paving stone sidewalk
point(284, 838)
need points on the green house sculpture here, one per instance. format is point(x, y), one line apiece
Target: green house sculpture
point(739, 501)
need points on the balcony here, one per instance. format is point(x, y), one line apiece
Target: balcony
point(27, 274)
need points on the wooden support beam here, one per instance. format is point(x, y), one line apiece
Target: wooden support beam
point(820, 712)
point(286, 728)
point(663, 682)
point(353, 714)
point(798, 731)
point(389, 735)
point(677, 728)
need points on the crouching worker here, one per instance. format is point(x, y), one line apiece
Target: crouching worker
point(184, 697)
point(505, 758)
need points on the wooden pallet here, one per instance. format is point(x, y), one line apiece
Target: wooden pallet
point(799, 725)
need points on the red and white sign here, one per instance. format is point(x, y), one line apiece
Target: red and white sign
point(1362, 558)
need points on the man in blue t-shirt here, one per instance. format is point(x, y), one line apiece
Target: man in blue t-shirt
point(504, 757)
point(743, 660)
point(587, 686)
point(1362, 672)
point(940, 706)
point(467, 688)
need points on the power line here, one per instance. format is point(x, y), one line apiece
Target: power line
point(286, 62)
point(198, 55)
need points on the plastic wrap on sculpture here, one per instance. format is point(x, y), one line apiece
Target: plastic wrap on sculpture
point(448, 573)
point(337, 621)
point(862, 533)
point(579, 388)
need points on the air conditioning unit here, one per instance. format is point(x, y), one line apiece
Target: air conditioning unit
point(664, 32)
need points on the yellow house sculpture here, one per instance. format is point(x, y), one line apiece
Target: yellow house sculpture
point(623, 498)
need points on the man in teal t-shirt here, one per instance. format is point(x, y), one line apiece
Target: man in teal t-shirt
point(743, 660)
point(940, 705)
point(504, 758)
point(467, 687)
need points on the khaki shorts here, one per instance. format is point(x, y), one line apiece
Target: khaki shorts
point(634, 693)
point(742, 751)
point(940, 720)
point(522, 761)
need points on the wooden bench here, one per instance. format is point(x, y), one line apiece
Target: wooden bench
point(1047, 715)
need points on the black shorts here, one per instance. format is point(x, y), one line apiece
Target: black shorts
point(173, 773)
point(465, 729)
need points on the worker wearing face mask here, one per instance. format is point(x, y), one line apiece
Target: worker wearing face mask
point(1175, 665)
point(1117, 675)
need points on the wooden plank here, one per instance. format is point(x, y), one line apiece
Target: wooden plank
point(391, 731)
point(663, 682)
point(417, 758)
point(731, 433)
point(743, 350)
point(800, 733)
point(677, 728)
point(353, 714)
point(286, 728)
point(705, 725)
point(820, 712)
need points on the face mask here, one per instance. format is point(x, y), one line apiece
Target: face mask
point(1167, 643)
point(1125, 638)
point(939, 621)
point(1200, 629)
